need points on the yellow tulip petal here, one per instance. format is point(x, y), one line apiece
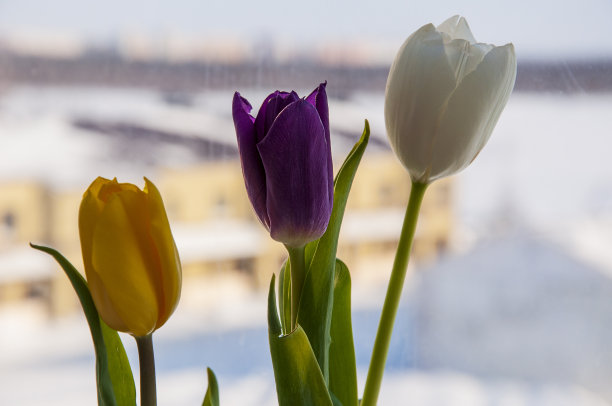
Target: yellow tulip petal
point(89, 212)
point(170, 263)
point(103, 302)
point(124, 259)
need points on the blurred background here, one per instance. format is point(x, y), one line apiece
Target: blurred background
point(509, 295)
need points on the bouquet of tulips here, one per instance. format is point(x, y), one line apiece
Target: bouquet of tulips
point(445, 93)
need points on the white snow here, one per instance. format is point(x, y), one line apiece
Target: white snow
point(216, 240)
point(23, 264)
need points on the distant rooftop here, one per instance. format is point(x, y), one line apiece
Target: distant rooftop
point(188, 76)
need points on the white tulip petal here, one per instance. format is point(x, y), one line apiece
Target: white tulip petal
point(464, 57)
point(409, 117)
point(509, 78)
point(463, 31)
point(448, 25)
point(457, 28)
point(445, 93)
point(472, 112)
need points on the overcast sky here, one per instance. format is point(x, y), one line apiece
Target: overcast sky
point(538, 28)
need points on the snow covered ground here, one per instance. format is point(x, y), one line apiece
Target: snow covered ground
point(51, 363)
point(546, 171)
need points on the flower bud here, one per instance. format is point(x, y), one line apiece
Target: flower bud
point(445, 93)
point(286, 162)
point(131, 261)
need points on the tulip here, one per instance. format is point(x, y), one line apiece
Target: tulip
point(286, 162)
point(131, 261)
point(445, 93)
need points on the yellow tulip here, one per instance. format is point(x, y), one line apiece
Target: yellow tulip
point(131, 261)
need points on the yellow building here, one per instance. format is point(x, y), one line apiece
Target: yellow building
point(214, 227)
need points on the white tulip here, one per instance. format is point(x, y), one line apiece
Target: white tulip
point(445, 93)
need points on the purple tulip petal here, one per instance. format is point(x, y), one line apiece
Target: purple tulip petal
point(252, 167)
point(318, 98)
point(295, 155)
point(270, 108)
point(261, 114)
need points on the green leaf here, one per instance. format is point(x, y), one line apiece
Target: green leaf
point(299, 381)
point(315, 312)
point(212, 393)
point(114, 378)
point(342, 368)
point(335, 400)
point(274, 326)
point(119, 367)
point(284, 297)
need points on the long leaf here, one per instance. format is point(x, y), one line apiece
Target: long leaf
point(284, 297)
point(342, 368)
point(119, 367)
point(315, 311)
point(299, 381)
point(114, 378)
point(212, 393)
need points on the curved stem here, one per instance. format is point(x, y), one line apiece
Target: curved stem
point(394, 292)
point(146, 359)
point(298, 274)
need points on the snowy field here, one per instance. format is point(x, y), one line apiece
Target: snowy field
point(51, 363)
point(546, 172)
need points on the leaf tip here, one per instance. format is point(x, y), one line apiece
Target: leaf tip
point(366, 131)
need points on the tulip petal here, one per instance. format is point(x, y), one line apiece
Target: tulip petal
point(270, 108)
point(464, 57)
point(473, 111)
point(252, 167)
point(89, 212)
point(91, 207)
point(462, 50)
point(260, 129)
point(318, 98)
point(102, 300)
point(294, 154)
point(415, 101)
point(124, 260)
point(169, 280)
point(456, 27)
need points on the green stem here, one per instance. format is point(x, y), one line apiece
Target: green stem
point(298, 274)
point(394, 292)
point(146, 359)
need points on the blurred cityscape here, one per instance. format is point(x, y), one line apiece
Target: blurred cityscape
point(183, 70)
point(510, 297)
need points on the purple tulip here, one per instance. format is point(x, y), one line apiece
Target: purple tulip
point(286, 163)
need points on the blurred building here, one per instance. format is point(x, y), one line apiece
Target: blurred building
point(213, 224)
point(139, 107)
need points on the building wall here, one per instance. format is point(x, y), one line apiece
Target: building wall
point(213, 193)
point(24, 213)
point(24, 217)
